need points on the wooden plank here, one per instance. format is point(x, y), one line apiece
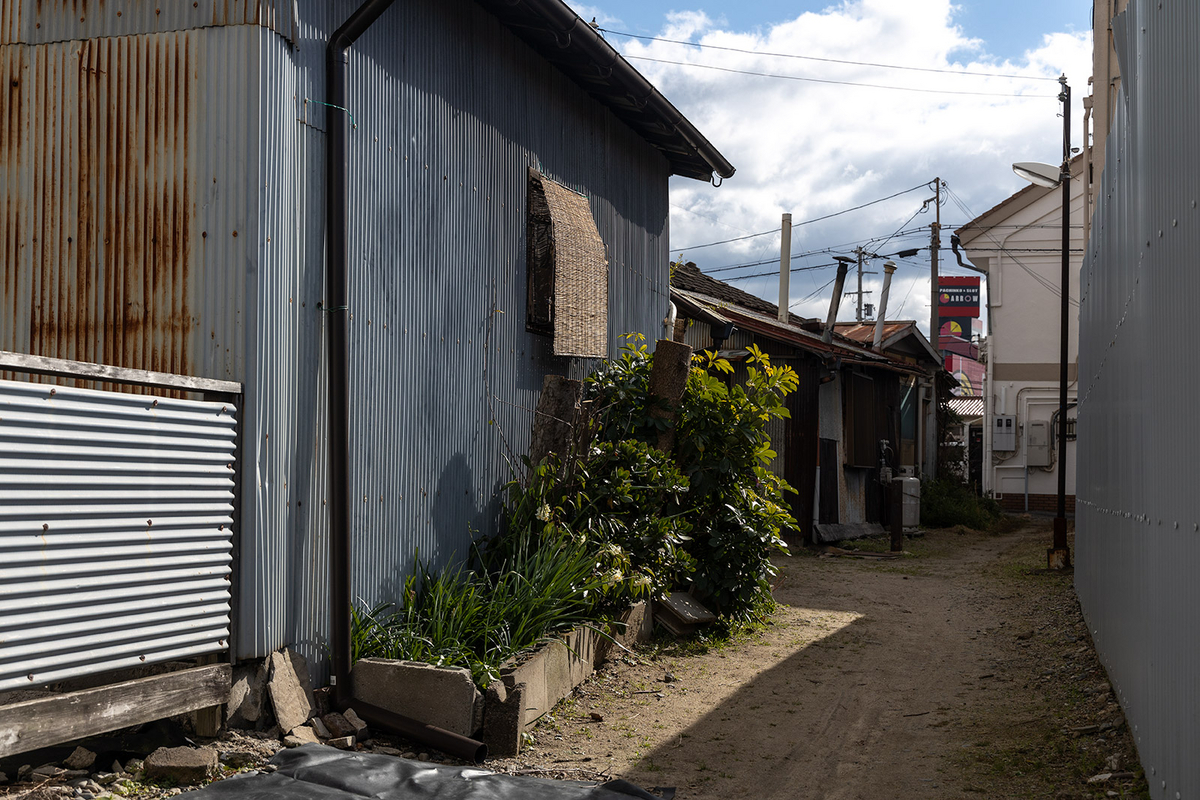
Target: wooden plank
point(34, 724)
point(83, 370)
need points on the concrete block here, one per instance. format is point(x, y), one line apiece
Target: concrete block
point(181, 764)
point(441, 696)
point(503, 720)
point(530, 673)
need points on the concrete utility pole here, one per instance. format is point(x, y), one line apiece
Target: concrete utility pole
point(785, 266)
point(859, 252)
point(935, 241)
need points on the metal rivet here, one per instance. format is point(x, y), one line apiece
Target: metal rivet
point(45, 526)
point(53, 392)
point(30, 676)
point(154, 403)
point(150, 523)
point(141, 658)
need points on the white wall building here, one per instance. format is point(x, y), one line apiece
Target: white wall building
point(1018, 244)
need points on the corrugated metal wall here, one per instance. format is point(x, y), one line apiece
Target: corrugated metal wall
point(46, 21)
point(1138, 511)
point(162, 207)
point(450, 111)
point(116, 516)
point(126, 207)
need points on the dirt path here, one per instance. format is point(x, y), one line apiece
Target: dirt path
point(960, 670)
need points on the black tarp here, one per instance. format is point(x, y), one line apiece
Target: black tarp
point(318, 772)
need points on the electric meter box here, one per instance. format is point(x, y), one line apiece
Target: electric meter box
point(1039, 444)
point(1004, 433)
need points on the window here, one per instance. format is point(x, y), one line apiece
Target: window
point(862, 443)
point(567, 281)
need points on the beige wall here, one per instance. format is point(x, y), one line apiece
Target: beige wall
point(1106, 78)
point(1019, 247)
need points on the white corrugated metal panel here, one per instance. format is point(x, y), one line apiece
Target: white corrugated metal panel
point(116, 530)
point(1138, 511)
point(44, 21)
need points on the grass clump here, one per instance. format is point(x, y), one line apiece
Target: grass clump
point(478, 618)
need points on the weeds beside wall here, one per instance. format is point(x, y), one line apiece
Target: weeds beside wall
point(612, 521)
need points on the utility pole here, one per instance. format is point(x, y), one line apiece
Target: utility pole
point(935, 241)
point(859, 251)
point(785, 265)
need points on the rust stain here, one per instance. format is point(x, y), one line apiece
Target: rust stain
point(101, 268)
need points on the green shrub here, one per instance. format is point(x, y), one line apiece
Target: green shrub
point(737, 505)
point(733, 506)
point(622, 499)
point(946, 502)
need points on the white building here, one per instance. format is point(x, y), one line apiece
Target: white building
point(1018, 244)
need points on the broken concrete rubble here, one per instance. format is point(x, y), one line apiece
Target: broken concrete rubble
point(245, 706)
point(288, 697)
point(337, 725)
point(181, 764)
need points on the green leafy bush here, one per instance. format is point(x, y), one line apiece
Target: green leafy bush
point(736, 504)
point(624, 500)
point(946, 502)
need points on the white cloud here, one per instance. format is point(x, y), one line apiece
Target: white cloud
point(812, 149)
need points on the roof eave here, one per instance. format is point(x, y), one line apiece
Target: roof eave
point(697, 158)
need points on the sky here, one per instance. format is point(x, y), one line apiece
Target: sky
point(814, 149)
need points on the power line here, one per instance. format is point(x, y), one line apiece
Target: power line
point(1044, 282)
point(837, 83)
point(727, 241)
point(805, 222)
point(830, 60)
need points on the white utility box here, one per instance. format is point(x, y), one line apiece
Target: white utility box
point(910, 489)
point(1004, 433)
point(1039, 444)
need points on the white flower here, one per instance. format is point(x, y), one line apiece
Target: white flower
point(543, 512)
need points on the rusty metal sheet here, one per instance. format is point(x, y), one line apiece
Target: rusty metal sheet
point(109, 244)
point(46, 21)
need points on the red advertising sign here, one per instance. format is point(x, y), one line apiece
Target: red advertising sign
point(958, 296)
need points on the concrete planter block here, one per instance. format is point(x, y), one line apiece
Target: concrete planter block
point(552, 672)
point(442, 696)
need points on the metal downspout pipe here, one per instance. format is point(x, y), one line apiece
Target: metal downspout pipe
point(337, 56)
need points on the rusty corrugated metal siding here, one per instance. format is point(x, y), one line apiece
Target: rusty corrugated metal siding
point(196, 244)
point(114, 152)
point(46, 21)
point(1137, 509)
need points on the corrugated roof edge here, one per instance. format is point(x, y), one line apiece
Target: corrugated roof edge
point(564, 24)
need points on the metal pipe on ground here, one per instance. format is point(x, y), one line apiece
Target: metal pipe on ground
point(447, 741)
